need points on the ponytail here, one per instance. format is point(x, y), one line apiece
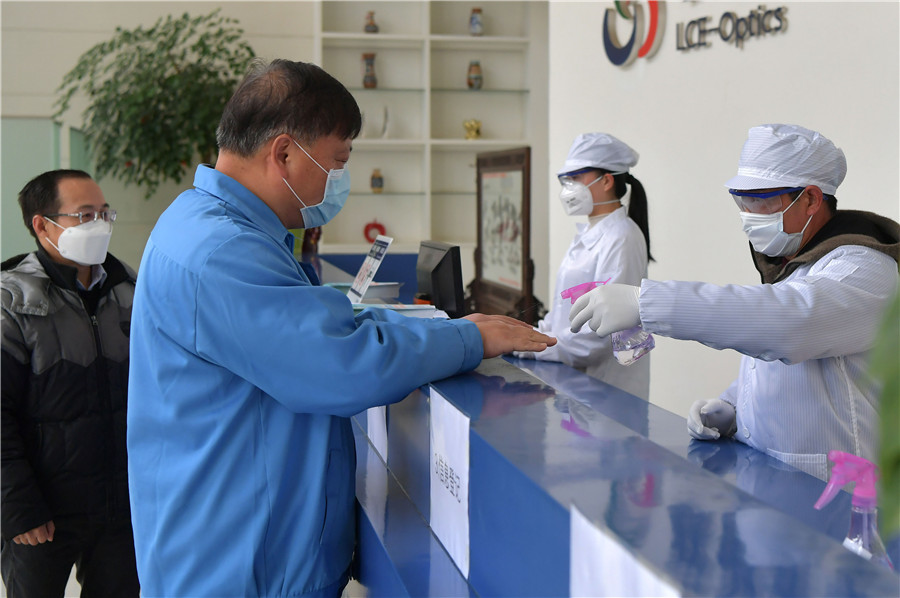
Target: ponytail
point(637, 206)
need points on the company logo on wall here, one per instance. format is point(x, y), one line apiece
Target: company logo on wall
point(637, 45)
point(732, 29)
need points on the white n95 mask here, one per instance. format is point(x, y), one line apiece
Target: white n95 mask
point(576, 198)
point(766, 232)
point(84, 244)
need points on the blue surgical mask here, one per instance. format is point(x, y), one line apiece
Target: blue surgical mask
point(337, 188)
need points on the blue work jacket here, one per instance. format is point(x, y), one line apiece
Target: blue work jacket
point(243, 373)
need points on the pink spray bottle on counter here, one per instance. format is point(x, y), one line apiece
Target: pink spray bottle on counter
point(628, 345)
point(863, 538)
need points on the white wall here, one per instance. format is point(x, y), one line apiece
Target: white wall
point(834, 70)
point(41, 41)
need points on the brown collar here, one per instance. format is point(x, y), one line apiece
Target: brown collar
point(846, 227)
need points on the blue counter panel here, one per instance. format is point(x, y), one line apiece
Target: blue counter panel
point(409, 447)
point(710, 518)
point(516, 548)
point(779, 485)
point(399, 554)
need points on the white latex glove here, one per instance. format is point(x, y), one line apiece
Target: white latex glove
point(608, 308)
point(523, 354)
point(708, 419)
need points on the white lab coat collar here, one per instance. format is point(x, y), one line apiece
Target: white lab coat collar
point(589, 236)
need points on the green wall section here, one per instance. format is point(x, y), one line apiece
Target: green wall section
point(78, 152)
point(29, 147)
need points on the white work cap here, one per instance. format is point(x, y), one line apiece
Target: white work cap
point(788, 156)
point(599, 150)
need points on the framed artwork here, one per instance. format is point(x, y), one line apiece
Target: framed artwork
point(503, 268)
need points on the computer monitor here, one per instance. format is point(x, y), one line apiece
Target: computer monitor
point(439, 277)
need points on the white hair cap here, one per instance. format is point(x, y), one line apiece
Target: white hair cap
point(599, 150)
point(788, 156)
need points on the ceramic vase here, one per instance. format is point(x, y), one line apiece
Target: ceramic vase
point(369, 79)
point(476, 27)
point(377, 181)
point(474, 78)
point(371, 25)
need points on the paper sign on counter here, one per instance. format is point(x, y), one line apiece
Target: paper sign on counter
point(376, 429)
point(599, 565)
point(449, 431)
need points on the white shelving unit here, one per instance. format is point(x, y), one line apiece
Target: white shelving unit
point(423, 50)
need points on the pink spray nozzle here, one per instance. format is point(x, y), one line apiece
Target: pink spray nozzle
point(578, 290)
point(851, 468)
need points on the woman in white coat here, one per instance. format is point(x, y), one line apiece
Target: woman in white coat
point(613, 244)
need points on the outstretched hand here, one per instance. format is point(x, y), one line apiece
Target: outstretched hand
point(502, 334)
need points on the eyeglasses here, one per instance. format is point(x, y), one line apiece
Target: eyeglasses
point(104, 215)
point(762, 202)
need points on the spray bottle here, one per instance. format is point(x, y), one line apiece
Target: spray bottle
point(628, 345)
point(863, 538)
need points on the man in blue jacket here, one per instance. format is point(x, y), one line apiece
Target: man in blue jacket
point(245, 371)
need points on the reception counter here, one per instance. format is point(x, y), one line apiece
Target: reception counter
point(550, 447)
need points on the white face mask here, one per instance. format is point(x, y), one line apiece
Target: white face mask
point(85, 244)
point(576, 197)
point(766, 232)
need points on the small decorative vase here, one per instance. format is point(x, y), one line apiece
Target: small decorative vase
point(371, 26)
point(473, 77)
point(369, 79)
point(476, 27)
point(473, 128)
point(377, 181)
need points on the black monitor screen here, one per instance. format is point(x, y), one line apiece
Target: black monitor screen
point(439, 277)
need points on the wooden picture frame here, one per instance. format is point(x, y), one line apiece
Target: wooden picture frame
point(504, 272)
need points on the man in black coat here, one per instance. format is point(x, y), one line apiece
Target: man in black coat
point(66, 313)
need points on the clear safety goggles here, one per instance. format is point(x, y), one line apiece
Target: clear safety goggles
point(569, 177)
point(761, 202)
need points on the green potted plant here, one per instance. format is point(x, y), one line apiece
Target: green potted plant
point(155, 95)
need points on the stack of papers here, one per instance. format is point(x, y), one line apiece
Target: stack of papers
point(415, 311)
point(375, 290)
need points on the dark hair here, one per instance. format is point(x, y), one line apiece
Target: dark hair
point(637, 204)
point(831, 202)
point(296, 98)
point(40, 195)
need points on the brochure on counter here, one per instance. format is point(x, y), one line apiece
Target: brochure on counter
point(376, 290)
point(369, 267)
point(414, 311)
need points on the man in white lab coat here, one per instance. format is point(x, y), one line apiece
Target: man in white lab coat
point(828, 275)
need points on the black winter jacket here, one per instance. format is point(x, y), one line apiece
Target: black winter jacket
point(64, 385)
